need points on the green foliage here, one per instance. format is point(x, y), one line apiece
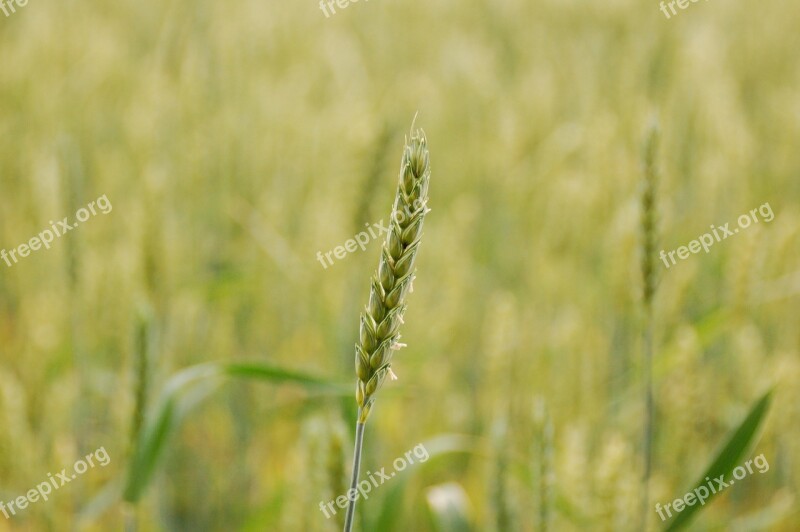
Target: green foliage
point(728, 458)
point(185, 390)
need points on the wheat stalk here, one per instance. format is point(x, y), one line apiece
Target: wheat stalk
point(649, 281)
point(379, 334)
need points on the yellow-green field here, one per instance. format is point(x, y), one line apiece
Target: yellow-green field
point(236, 140)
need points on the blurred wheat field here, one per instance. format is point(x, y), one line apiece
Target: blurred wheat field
point(235, 141)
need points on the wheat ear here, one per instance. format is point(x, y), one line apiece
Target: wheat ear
point(379, 334)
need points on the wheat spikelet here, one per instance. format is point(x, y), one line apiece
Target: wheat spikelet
point(380, 322)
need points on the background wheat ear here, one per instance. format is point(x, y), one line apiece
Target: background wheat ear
point(649, 216)
point(649, 237)
point(143, 342)
point(379, 334)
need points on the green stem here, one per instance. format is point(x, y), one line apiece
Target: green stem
point(351, 505)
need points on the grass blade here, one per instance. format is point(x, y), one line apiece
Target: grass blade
point(729, 457)
point(267, 372)
point(182, 393)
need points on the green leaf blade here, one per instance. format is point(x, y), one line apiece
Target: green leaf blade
point(187, 389)
point(728, 458)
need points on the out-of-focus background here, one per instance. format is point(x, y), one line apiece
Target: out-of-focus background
point(235, 140)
